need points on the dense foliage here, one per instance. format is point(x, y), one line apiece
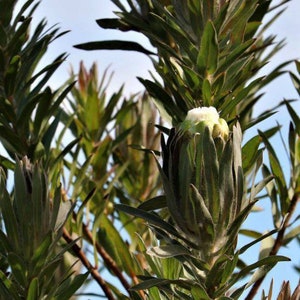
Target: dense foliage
point(144, 195)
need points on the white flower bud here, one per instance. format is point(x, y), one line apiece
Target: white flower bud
point(198, 118)
point(200, 114)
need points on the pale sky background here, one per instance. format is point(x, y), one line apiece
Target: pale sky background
point(79, 17)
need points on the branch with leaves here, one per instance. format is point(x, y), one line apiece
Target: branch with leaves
point(152, 189)
point(207, 55)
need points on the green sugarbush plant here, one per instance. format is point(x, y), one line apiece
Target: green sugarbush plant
point(145, 196)
point(33, 223)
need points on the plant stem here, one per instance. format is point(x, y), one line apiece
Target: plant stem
point(80, 254)
point(278, 243)
point(108, 259)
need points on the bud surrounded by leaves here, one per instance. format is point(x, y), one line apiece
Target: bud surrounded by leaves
point(203, 181)
point(199, 118)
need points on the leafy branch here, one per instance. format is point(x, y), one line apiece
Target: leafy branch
point(279, 242)
point(81, 255)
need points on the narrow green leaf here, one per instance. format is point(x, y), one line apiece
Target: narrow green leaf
point(159, 282)
point(250, 150)
point(158, 202)
point(67, 289)
point(60, 98)
point(250, 233)
point(43, 101)
point(233, 56)
point(266, 245)
point(19, 37)
point(166, 251)
point(297, 63)
point(260, 118)
point(273, 195)
point(270, 290)
point(296, 82)
point(292, 146)
point(206, 92)
point(239, 19)
point(39, 257)
point(291, 235)
point(199, 293)
point(83, 205)
point(8, 215)
point(259, 187)
point(47, 71)
point(22, 198)
point(203, 214)
point(18, 268)
point(266, 263)
point(172, 267)
point(6, 163)
point(151, 261)
point(152, 218)
point(55, 207)
point(25, 113)
point(257, 240)
point(231, 105)
point(48, 137)
point(7, 288)
point(5, 243)
point(113, 23)
point(264, 269)
point(235, 226)
point(164, 101)
point(40, 204)
point(229, 268)
point(11, 141)
point(149, 283)
point(294, 116)
point(228, 200)
point(65, 209)
point(33, 290)
point(114, 45)
point(110, 238)
point(278, 174)
point(211, 171)
point(238, 292)
point(170, 25)
point(66, 150)
point(122, 137)
point(208, 57)
point(11, 74)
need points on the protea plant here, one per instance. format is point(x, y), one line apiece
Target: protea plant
point(205, 205)
point(206, 54)
point(203, 181)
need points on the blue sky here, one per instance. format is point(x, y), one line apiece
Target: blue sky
point(79, 17)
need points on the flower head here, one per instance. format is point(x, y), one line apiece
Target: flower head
point(200, 114)
point(199, 118)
